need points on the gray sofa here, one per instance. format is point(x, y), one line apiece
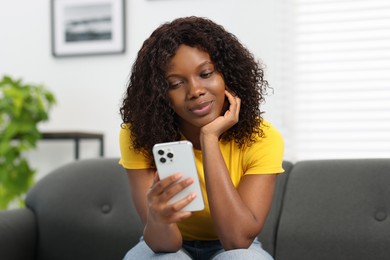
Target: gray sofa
point(324, 209)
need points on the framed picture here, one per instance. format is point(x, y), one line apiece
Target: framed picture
point(87, 27)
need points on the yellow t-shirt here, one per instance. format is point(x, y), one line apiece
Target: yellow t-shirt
point(264, 156)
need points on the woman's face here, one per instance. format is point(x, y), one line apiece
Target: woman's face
point(197, 90)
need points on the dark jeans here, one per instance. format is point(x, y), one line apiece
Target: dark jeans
point(202, 250)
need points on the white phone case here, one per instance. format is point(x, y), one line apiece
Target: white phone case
point(178, 157)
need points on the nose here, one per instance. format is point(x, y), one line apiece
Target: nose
point(195, 88)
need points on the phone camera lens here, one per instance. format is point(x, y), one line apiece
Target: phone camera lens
point(163, 160)
point(170, 155)
point(160, 152)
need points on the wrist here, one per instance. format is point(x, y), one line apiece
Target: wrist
point(208, 138)
point(162, 237)
point(155, 222)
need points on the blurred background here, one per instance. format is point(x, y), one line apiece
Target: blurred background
point(328, 62)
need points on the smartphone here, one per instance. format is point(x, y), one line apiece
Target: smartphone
point(178, 157)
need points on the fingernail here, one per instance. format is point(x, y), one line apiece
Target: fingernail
point(177, 176)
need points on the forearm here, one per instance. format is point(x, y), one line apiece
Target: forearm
point(162, 237)
point(224, 200)
point(160, 234)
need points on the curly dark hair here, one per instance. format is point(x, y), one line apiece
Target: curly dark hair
point(146, 108)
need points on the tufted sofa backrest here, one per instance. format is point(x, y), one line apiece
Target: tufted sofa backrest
point(84, 211)
point(336, 209)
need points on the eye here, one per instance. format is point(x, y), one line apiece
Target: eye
point(175, 84)
point(206, 74)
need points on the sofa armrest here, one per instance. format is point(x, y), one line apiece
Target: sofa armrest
point(268, 235)
point(17, 234)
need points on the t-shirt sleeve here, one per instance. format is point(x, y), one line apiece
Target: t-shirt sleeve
point(265, 156)
point(130, 159)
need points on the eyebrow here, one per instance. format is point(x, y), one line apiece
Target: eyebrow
point(199, 66)
point(204, 63)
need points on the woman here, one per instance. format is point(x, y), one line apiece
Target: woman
point(192, 80)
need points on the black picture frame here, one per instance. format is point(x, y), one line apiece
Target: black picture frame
point(87, 27)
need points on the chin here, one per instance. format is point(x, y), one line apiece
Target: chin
point(207, 120)
point(199, 122)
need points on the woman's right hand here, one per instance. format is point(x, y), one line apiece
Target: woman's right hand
point(222, 123)
point(161, 192)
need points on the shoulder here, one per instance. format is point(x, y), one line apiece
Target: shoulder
point(130, 159)
point(265, 154)
point(269, 133)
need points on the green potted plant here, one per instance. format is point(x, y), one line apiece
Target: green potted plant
point(22, 107)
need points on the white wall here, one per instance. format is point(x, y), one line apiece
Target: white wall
point(89, 89)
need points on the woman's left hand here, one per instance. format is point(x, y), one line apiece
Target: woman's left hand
point(227, 120)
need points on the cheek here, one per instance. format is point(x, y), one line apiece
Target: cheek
point(220, 90)
point(174, 98)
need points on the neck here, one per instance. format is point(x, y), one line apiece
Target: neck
point(192, 134)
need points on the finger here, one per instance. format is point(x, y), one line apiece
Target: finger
point(230, 95)
point(175, 189)
point(155, 180)
point(184, 202)
point(238, 100)
point(178, 217)
point(161, 185)
point(235, 103)
point(175, 208)
point(230, 91)
point(156, 177)
point(232, 99)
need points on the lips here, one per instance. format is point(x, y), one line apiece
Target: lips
point(202, 109)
